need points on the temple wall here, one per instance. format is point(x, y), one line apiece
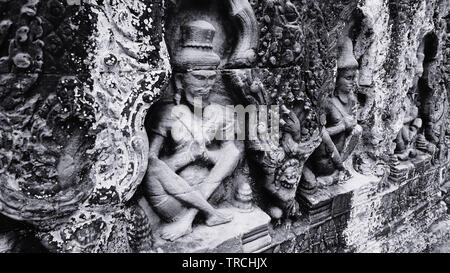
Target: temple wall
point(80, 82)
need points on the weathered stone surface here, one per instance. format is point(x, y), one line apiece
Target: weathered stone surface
point(390, 65)
point(247, 233)
point(46, 117)
point(77, 82)
point(366, 217)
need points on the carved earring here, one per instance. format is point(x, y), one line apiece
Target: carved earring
point(177, 98)
point(178, 90)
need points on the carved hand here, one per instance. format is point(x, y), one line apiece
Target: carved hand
point(423, 145)
point(198, 151)
point(350, 123)
point(289, 145)
point(292, 125)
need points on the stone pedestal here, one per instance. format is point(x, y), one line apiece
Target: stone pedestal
point(370, 214)
point(404, 170)
point(333, 201)
point(247, 233)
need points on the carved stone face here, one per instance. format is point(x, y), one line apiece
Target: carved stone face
point(420, 68)
point(290, 178)
point(346, 81)
point(278, 32)
point(413, 129)
point(22, 34)
point(196, 84)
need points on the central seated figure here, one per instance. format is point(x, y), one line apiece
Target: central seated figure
point(187, 161)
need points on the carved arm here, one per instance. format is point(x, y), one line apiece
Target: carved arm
point(174, 162)
point(337, 129)
point(224, 166)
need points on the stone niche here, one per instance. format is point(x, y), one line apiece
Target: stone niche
point(103, 149)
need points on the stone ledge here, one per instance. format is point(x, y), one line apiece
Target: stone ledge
point(367, 214)
point(332, 201)
point(247, 233)
point(404, 170)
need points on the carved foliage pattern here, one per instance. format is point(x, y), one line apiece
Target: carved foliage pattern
point(129, 70)
point(45, 118)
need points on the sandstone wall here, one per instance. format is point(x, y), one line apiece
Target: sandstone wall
point(77, 81)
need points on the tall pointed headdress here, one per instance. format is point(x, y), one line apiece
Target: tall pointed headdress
point(346, 57)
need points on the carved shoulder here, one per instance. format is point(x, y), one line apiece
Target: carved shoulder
point(161, 119)
point(333, 114)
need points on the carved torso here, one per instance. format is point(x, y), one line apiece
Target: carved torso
point(336, 113)
point(184, 128)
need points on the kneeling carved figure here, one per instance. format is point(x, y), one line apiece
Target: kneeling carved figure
point(342, 133)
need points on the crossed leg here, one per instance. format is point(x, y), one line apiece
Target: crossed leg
point(221, 169)
point(164, 178)
point(183, 225)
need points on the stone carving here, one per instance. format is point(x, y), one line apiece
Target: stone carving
point(75, 87)
point(424, 126)
point(406, 139)
point(434, 102)
point(278, 164)
point(281, 33)
point(245, 50)
point(77, 79)
point(299, 139)
point(139, 230)
point(45, 120)
point(342, 133)
point(186, 165)
point(237, 20)
point(243, 197)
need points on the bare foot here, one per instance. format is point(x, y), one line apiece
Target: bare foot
point(176, 230)
point(344, 175)
point(324, 181)
point(218, 219)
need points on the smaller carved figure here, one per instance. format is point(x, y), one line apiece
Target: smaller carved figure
point(243, 197)
point(423, 123)
point(283, 190)
point(278, 163)
point(342, 133)
point(406, 138)
point(434, 103)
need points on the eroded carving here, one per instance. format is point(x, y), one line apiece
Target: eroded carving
point(342, 133)
point(433, 99)
point(45, 120)
point(244, 54)
point(408, 136)
point(280, 150)
point(235, 18)
point(186, 163)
